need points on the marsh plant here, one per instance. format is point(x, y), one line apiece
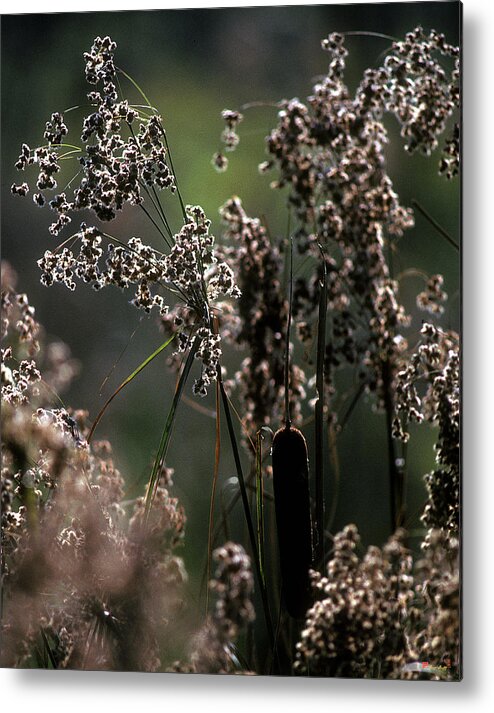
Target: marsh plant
point(92, 580)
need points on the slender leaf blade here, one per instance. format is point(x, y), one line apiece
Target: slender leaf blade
point(167, 431)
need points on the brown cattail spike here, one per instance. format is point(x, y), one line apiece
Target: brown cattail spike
point(293, 520)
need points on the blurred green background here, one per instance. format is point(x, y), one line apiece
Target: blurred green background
point(192, 64)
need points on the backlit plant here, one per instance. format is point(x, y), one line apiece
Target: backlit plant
point(91, 580)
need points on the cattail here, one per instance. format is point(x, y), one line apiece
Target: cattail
point(293, 520)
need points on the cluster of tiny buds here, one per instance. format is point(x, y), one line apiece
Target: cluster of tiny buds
point(428, 389)
point(233, 585)
point(100, 66)
point(258, 320)
point(55, 129)
point(431, 299)
point(209, 353)
point(190, 268)
point(115, 171)
point(334, 44)
point(219, 162)
point(165, 524)
point(435, 357)
point(450, 162)
point(229, 136)
point(360, 608)
point(18, 315)
point(414, 73)
point(18, 383)
point(49, 166)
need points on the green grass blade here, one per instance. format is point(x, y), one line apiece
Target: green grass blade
point(132, 81)
point(67, 154)
point(132, 376)
point(167, 431)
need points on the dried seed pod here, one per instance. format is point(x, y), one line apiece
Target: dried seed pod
point(293, 519)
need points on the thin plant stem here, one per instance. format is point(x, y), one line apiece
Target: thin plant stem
point(217, 453)
point(287, 347)
point(148, 214)
point(368, 33)
point(259, 491)
point(141, 92)
point(182, 205)
point(435, 225)
point(393, 472)
point(167, 431)
point(245, 502)
point(130, 378)
point(319, 415)
point(117, 361)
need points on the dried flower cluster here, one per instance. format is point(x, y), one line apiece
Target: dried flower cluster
point(435, 637)
point(431, 299)
point(115, 170)
point(375, 615)
point(123, 163)
point(450, 163)
point(419, 91)
point(330, 152)
point(190, 269)
point(360, 612)
point(429, 389)
point(81, 587)
point(21, 357)
point(17, 313)
point(233, 585)
point(229, 136)
point(258, 321)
